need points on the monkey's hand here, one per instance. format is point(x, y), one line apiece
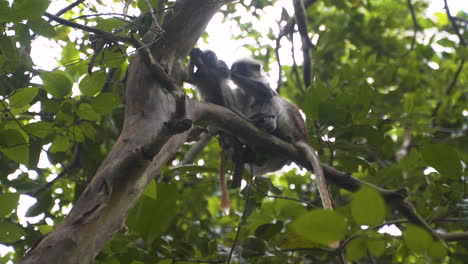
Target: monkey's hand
point(208, 66)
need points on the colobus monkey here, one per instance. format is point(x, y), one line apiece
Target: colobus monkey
point(255, 100)
point(277, 116)
point(211, 81)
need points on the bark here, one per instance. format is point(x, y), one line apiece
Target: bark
point(102, 208)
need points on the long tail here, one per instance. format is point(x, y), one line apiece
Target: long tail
point(225, 201)
point(318, 170)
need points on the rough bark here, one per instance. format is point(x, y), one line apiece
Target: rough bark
point(102, 209)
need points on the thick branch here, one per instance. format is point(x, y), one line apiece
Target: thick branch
point(251, 135)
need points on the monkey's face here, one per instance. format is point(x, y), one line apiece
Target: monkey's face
point(250, 69)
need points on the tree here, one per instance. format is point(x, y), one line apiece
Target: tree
point(381, 85)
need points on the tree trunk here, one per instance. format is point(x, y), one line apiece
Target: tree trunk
point(101, 210)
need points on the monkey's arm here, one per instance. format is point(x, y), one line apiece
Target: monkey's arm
point(257, 89)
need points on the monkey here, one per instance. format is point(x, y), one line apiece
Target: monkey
point(277, 116)
point(255, 100)
point(211, 81)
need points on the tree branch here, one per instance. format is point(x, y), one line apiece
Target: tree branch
point(69, 7)
point(251, 135)
point(415, 27)
point(65, 170)
point(454, 24)
point(301, 22)
point(106, 35)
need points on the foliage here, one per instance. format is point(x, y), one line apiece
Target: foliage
point(389, 105)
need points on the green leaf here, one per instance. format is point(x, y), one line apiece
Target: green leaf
point(8, 47)
point(445, 42)
point(88, 130)
point(23, 96)
point(267, 231)
point(150, 190)
point(5, 11)
point(60, 144)
point(152, 217)
point(165, 261)
point(356, 249)
point(442, 158)
point(265, 184)
point(45, 229)
point(14, 146)
point(104, 103)
point(108, 24)
point(8, 202)
point(316, 94)
point(442, 18)
point(29, 9)
point(321, 226)
point(39, 129)
point(144, 7)
point(368, 207)
point(437, 250)
point(417, 239)
point(253, 246)
point(86, 112)
point(376, 247)
point(42, 27)
point(90, 85)
point(57, 83)
point(10, 233)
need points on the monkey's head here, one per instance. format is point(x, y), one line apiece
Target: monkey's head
point(249, 68)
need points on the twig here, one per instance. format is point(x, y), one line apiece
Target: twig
point(63, 10)
point(104, 34)
point(454, 24)
point(198, 260)
point(104, 14)
point(65, 170)
point(310, 203)
point(153, 15)
point(449, 89)
point(31, 137)
point(294, 66)
point(278, 61)
point(197, 148)
point(160, 15)
point(244, 217)
point(415, 27)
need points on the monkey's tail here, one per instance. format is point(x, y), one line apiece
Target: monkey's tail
point(318, 170)
point(225, 201)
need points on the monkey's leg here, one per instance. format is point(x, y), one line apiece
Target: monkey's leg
point(238, 165)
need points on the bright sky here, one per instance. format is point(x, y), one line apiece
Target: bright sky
point(44, 54)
